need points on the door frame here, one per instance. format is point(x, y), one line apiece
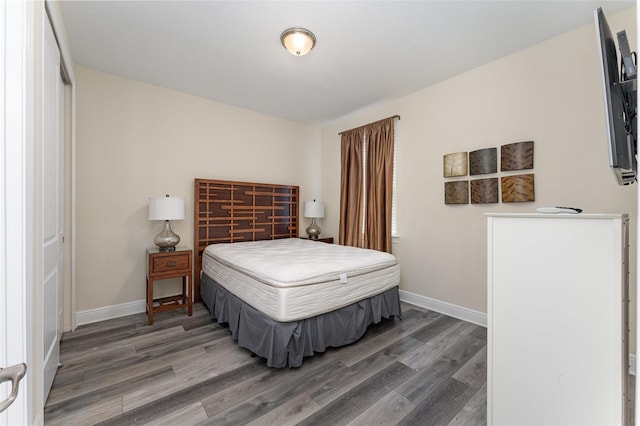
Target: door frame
point(66, 64)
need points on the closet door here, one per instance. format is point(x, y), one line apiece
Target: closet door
point(52, 207)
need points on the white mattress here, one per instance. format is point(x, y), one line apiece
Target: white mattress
point(292, 279)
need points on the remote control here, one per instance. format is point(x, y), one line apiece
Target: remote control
point(570, 210)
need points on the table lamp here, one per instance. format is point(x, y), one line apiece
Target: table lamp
point(313, 209)
point(166, 208)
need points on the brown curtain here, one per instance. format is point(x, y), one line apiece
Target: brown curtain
point(375, 199)
point(379, 185)
point(351, 195)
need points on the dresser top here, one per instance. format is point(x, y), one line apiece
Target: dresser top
point(622, 216)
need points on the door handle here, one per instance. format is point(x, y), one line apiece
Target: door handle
point(15, 373)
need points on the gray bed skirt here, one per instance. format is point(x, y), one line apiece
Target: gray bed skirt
point(287, 343)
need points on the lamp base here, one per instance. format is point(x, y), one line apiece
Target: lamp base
point(166, 240)
point(313, 230)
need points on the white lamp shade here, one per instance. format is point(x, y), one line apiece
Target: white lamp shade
point(313, 209)
point(166, 208)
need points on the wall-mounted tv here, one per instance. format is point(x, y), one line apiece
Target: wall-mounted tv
point(621, 104)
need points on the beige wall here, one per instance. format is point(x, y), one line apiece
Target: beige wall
point(550, 93)
point(135, 141)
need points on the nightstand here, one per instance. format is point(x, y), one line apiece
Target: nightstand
point(169, 264)
point(321, 240)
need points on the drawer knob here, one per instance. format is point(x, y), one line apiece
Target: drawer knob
point(171, 263)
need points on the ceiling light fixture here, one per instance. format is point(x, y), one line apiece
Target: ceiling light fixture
point(298, 41)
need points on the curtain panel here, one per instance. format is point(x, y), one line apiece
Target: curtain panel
point(351, 196)
point(379, 185)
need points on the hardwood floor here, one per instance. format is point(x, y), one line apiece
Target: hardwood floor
point(426, 369)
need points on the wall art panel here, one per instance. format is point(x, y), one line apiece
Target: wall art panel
point(516, 156)
point(455, 164)
point(456, 192)
point(518, 188)
point(483, 161)
point(484, 191)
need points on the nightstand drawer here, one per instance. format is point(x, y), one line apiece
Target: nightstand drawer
point(176, 262)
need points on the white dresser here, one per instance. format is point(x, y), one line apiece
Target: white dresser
point(557, 319)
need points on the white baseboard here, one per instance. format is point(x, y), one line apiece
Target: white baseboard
point(110, 312)
point(115, 311)
point(460, 312)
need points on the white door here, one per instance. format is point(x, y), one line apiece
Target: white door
point(52, 207)
point(16, 330)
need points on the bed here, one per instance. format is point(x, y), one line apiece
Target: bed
point(283, 297)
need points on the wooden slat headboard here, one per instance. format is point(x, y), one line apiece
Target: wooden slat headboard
point(228, 212)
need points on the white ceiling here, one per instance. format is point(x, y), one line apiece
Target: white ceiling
point(366, 52)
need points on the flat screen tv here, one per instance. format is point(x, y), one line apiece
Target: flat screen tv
point(621, 104)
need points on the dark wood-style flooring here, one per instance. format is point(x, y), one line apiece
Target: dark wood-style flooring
point(426, 369)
